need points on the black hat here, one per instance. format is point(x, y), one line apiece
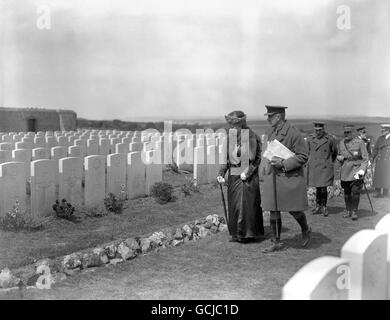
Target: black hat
point(360, 128)
point(319, 124)
point(348, 127)
point(275, 109)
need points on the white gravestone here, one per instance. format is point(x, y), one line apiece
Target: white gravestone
point(40, 153)
point(21, 145)
point(92, 147)
point(30, 142)
point(122, 148)
point(5, 156)
point(212, 163)
point(82, 144)
point(40, 142)
point(325, 278)
point(58, 153)
point(51, 142)
point(71, 140)
point(43, 187)
point(12, 186)
point(200, 168)
point(153, 171)
point(136, 174)
point(104, 146)
point(384, 226)
point(75, 151)
point(62, 141)
point(113, 142)
point(23, 155)
point(95, 180)
point(136, 146)
point(366, 252)
point(6, 146)
point(116, 172)
point(70, 179)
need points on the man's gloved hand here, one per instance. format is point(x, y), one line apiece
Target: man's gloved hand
point(220, 179)
point(243, 176)
point(277, 163)
point(359, 174)
point(340, 158)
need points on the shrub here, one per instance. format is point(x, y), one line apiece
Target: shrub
point(163, 192)
point(14, 220)
point(91, 212)
point(114, 204)
point(63, 210)
point(190, 187)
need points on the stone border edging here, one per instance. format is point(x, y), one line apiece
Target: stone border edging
point(57, 269)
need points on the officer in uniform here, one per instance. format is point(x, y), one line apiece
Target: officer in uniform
point(381, 156)
point(362, 134)
point(320, 168)
point(284, 186)
point(353, 158)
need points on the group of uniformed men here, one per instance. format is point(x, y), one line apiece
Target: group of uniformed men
point(354, 155)
point(313, 165)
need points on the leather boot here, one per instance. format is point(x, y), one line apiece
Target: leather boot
point(276, 226)
point(354, 215)
point(306, 231)
point(347, 212)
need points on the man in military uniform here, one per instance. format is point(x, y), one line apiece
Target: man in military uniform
point(353, 157)
point(381, 156)
point(284, 187)
point(362, 134)
point(320, 169)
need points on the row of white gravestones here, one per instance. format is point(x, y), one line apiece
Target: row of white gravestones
point(122, 169)
point(361, 273)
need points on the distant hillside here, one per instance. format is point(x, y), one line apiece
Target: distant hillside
point(333, 126)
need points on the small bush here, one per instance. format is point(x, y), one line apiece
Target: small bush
point(92, 212)
point(190, 187)
point(63, 210)
point(163, 192)
point(114, 204)
point(14, 220)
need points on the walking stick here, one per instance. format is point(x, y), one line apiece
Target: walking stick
point(275, 198)
point(368, 196)
point(224, 206)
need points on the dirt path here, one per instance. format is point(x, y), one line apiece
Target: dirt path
point(213, 268)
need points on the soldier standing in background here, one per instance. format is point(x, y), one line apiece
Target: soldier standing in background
point(362, 134)
point(381, 156)
point(320, 167)
point(353, 157)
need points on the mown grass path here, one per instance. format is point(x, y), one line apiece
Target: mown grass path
point(213, 268)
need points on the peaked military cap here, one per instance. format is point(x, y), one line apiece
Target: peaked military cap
point(319, 124)
point(275, 109)
point(348, 127)
point(360, 128)
point(386, 126)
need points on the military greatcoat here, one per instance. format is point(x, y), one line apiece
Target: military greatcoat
point(322, 154)
point(355, 158)
point(381, 155)
point(290, 183)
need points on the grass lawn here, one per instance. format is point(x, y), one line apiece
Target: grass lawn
point(213, 268)
point(143, 216)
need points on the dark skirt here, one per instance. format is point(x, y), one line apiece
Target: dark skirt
point(244, 208)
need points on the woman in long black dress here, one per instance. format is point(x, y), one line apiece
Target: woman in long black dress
point(244, 203)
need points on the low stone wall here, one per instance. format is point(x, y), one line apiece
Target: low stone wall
point(45, 272)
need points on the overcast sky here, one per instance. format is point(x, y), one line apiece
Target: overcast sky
point(168, 59)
